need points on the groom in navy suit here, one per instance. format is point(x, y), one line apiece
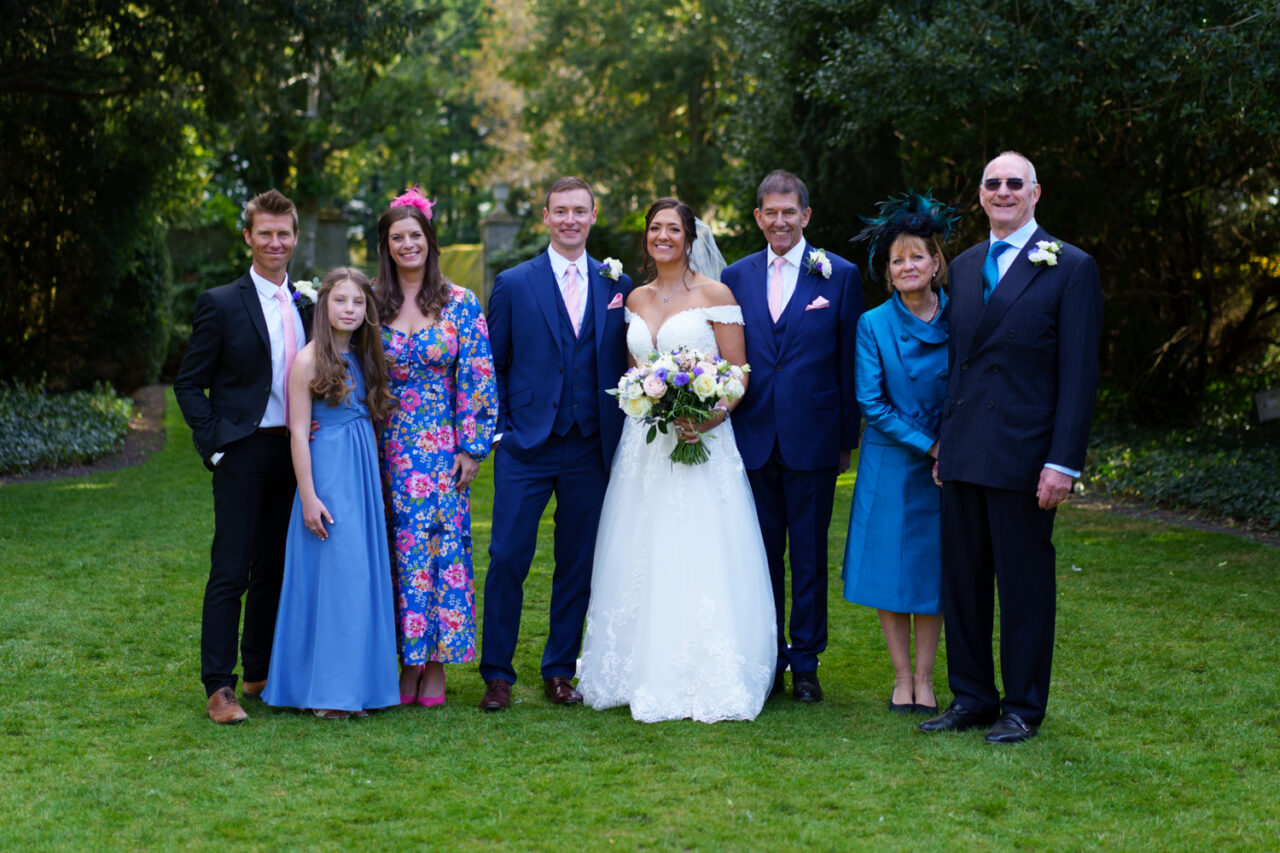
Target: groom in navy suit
point(1026, 317)
point(798, 423)
point(559, 342)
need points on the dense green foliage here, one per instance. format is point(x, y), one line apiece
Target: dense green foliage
point(635, 100)
point(1231, 471)
point(42, 430)
point(112, 115)
point(1154, 127)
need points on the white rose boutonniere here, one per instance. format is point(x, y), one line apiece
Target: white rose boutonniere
point(611, 268)
point(1046, 253)
point(819, 262)
point(305, 292)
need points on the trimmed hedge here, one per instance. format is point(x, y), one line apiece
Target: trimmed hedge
point(41, 430)
point(1231, 471)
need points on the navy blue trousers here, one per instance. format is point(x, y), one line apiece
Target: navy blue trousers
point(571, 468)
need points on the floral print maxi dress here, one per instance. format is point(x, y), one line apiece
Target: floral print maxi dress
point(443, 378)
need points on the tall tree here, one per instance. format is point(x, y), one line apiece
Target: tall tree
point(1154, 128)
point(628, 94)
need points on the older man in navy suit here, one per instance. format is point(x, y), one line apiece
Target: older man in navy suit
point(1026, 317)
point(798, 424)
point(558, 335)
point(231, 389)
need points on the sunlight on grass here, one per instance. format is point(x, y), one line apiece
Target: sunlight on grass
point(1162, 729)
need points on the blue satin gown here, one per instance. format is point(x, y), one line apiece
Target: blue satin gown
point(335, 640)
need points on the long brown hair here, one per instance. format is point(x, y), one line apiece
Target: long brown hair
point(330, 383)
point(434, 295)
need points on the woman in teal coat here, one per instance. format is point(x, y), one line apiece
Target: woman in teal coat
point(893, 554)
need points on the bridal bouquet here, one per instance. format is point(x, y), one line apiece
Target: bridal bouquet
point(680, 384)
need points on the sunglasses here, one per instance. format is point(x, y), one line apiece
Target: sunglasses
point(992, 185)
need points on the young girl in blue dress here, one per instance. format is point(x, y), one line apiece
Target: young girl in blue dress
point(335, 639)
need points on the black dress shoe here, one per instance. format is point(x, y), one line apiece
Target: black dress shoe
point(779, 687)
point(958, 718)
point(1011, 728)
point(805, 687)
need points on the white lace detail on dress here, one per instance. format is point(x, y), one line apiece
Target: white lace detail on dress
point(681, 620)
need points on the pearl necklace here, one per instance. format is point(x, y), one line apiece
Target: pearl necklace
point(937, 306)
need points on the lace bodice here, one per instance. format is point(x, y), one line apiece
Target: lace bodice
point(688, 328)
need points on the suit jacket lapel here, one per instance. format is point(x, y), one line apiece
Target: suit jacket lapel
point(754, 300)
point(546, 290)
point(598, 299)
point(253, 306)
point(1021, 273)
point(806, 287)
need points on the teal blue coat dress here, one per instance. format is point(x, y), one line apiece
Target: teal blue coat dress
point(893, 554)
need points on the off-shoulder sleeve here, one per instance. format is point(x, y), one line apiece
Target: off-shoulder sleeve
point(626, 314)
point(724, 314)
point(476, 400)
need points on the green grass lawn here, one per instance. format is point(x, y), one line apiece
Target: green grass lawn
point(1163, 728)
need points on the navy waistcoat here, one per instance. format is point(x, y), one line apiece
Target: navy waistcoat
point(578, 398)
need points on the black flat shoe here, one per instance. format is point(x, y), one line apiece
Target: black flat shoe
point(958, 718)
point(904, 709)
point(1011, 728)
point(927, 710)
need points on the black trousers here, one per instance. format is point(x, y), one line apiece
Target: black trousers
point(253, 489)
point(998, 542)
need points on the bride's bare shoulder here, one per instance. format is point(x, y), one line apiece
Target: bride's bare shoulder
point(714, 293)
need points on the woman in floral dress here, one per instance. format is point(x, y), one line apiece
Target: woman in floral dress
point(441, 372)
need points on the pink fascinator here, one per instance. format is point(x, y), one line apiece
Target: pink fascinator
point(414, 197)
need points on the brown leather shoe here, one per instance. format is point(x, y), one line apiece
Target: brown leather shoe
point(497, 695)
point(224, 709)
point(253, 689)
point(560, 691)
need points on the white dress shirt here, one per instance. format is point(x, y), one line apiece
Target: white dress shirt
point(790, 271)
point(559, 265)
point(1019, 239)
point(274, 415)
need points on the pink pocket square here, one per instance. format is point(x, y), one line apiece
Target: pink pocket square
point(616, 302)
point(820, 302)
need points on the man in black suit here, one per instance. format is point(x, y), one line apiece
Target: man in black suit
point(231, 389)
point(1026, 317)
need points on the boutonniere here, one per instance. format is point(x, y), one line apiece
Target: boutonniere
point(1046, 253)
point(304, 293)
point(611, 268)
point(818, 262)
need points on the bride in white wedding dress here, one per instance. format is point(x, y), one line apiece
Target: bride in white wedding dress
point(681, 621)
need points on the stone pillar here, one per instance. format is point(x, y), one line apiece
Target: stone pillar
point(498, 232)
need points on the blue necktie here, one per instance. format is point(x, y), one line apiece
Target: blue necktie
point(991, 269)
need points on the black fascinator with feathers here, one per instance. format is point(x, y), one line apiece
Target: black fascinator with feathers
point(910, 213)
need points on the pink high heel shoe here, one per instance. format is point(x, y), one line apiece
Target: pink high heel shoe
point(434, 701)
point(413, 697)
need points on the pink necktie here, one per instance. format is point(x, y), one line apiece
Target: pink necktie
point(775, 289)
point(571, 296)
point(290, 343)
